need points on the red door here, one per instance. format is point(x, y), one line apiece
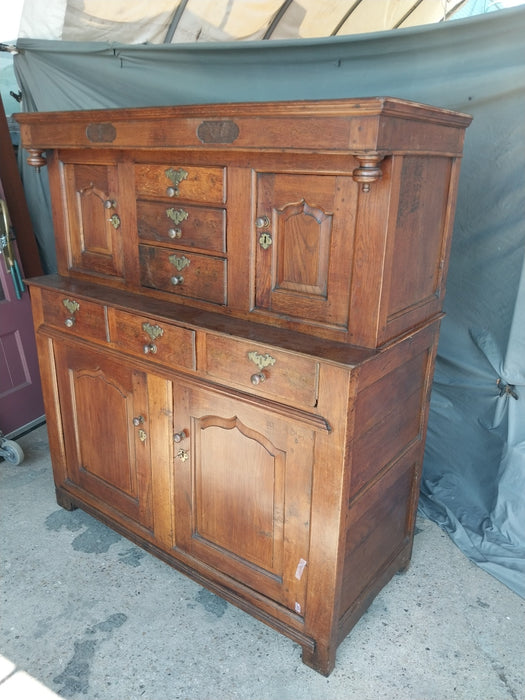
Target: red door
point(20, 391)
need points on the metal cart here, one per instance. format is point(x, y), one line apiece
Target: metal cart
point(10, 450)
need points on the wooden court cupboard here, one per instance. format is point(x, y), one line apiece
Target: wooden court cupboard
point(237, 350)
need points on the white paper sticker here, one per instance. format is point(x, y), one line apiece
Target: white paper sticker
point(300, 569)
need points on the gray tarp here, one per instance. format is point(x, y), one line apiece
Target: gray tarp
point(473, 479)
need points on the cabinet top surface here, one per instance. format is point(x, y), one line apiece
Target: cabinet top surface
point(294, 108)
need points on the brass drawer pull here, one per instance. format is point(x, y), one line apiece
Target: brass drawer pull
point(177, 215)
point(176, 177)
point(177, 279)
point(154, 332)
point(261, 361)
point(179, 261)
point(71, 306)
point(175, 233)
point(138, 420)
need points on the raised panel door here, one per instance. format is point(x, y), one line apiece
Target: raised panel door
point(105, 414)
point(94, 218)
point(304, 230)
point(244, 479)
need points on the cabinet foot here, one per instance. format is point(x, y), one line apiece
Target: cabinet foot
point(322, 659)
point(64, 501)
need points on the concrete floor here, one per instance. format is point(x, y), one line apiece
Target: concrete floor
point(87, 614)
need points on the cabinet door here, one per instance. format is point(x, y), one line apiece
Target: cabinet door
point(94, 218)
point(244, 479)
point(305, 229)
point(104, 407)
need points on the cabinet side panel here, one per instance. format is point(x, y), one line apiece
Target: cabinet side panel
point(377, 530)
point(388, 419)
point(419, 232)
point(419, 239)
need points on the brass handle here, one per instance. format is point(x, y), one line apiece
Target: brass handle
point(171, 191)
point(179, 437)
point(175, 233)
point(262, 222)
point(109, 204)
point(258, 378)
point(138, 420)
point(177, 279)
point(150, 348)
point(70, 321)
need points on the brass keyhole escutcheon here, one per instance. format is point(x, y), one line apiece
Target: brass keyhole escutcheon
point(265, 241)
point(142, 435)
point(183, 455)
point(114, 221)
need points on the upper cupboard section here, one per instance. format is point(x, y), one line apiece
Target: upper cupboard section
point(330, 217)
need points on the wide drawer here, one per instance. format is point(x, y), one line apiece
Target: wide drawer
point(261, 369)
point(76, 316)
point(184, 274)
point(197, 227)
point(158, 340)
point(198, 184)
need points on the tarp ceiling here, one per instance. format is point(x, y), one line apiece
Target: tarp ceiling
point(172, 21)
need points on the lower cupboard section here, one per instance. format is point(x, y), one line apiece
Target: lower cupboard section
point(250, 497)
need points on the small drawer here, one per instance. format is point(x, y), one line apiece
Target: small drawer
point(262, 369)
point(196, 227)
point(181, 182)
point(148, 337)
point(76, 316)
point(184, 274)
